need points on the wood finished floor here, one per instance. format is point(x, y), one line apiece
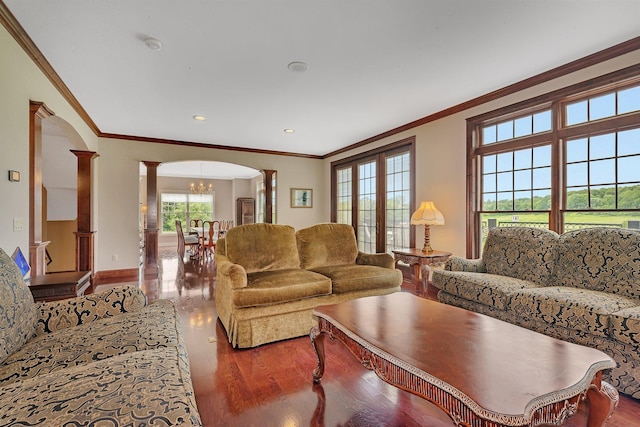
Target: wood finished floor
point(271, 385)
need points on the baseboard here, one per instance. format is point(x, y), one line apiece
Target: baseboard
point(116, 276)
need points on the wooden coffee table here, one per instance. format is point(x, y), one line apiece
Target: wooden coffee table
point(479, 370)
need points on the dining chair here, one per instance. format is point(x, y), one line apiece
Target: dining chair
point(194, 224)
point(210, 234)
point(189, 240)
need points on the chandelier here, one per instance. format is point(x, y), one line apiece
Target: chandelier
point(201, 188)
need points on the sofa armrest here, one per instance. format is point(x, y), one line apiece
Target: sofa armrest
point(57, 315)
point(381, 260)
point(230, 275)
point(462, 264)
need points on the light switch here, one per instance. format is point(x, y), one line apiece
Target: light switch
point(18, 224)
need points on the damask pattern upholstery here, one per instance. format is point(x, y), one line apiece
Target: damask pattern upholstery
point(587, 293)
point(606, 260)
point(524, 253)
point(149, 388)
point(94, 341)
point(572, 308)
point(57, 315)
point(489, 289)
point(17, 313)
point(625, 326)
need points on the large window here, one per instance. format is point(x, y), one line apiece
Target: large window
point(374, 193)
point(566, 160)
point(184, 207)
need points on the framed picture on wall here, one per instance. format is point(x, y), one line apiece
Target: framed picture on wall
point(301, 198)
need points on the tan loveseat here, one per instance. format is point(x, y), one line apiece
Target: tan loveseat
point(269, 278)
point(104, 359)
point(582, 286)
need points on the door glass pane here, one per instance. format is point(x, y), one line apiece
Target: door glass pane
point(398, 202)
point(367, 227)
point(344, 195)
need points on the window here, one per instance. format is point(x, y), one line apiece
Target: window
point(566, 160)
point(374, 193)
point(184, 207)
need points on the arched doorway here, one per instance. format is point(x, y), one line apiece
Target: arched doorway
point(60, 195)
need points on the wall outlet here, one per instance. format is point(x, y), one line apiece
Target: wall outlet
point(114, 258)
point(18, 224)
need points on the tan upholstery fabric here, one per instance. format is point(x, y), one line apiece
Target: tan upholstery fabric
point(327, 244)
point(278, 286)
point(350, 278)
point(261, 298)
point(261, 247)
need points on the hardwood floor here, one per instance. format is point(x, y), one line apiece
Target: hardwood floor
point(271, 385)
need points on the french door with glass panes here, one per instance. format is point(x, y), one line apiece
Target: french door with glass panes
point(374, 192)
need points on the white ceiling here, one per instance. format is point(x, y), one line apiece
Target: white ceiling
point(373, 65)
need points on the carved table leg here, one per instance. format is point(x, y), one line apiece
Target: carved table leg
point(602, 402)
point(416, 276)
point(317, 339)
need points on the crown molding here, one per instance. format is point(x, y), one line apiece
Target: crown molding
point(203, 145)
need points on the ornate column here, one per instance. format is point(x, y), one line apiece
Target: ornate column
point(151, 232)
point(37, 112)
point(84, 234)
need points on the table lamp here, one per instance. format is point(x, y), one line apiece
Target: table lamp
point(428, 215)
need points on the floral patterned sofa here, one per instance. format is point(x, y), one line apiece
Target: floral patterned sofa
point(104, 359)
point(582, 286)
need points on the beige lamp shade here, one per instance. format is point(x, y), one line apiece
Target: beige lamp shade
point(428, 215)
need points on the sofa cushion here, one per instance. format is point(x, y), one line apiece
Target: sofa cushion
point(67, 313)
point(147, 388)
point(151, 327)
point(489, 289)
point(579, 309)
point(521, 252)
point(625, 325)
point(262, 247)
point(351, 277)
point(600, 259)
point(17, 310)
point(327, 244)
point(280, 286)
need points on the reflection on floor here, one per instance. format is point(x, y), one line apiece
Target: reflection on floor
point(271, 385)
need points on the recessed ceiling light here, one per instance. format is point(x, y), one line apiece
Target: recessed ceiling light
point(199, 118)
point(289, 131)
point(153, 44)
point(298, 67)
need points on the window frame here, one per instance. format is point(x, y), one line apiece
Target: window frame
point(557, 137)
point(378, 155)
point(188, 218)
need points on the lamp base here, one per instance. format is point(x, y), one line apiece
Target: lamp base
point(427, 249)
